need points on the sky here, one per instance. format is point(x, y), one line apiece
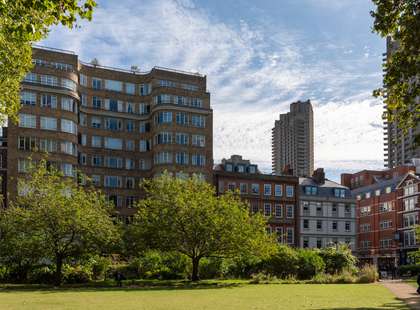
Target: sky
point(258, 56)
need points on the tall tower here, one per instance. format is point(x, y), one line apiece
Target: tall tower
point(293, 140)
point(399, 148)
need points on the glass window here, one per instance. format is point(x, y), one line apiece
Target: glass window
point(198, 140)
point(181, 138)
point(145, 89)
point(290, 211)
point(112, 181)
point(255, 188)
point(164, 117)
point(290, 235)
point(278, 210)
point(129, 145)
point(49, 101)
point(278, 190)
point(96, 141)
point(198, 160)
point(267, 209)
point(96, 102)
point(129, 124)
point(144, 146)
point(181, 158)
point(113, 85)
point(96, 122)
point(130, 88)
point(267, 189)
point(198, 121)
point(243, 187)
point(49, 80)
point(83, 79)
point(289, 191)
point(163, 158)
point(68, 126)
point(69, 84)
point(27, 120)
point(28, 98)
point(48, 123)
point(305, 224)
point(113, 143)
point(67, 104)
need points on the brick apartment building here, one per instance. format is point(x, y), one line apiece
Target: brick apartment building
point(116, 126)
point(275, 196)
point(327, 212)
point(386, 213)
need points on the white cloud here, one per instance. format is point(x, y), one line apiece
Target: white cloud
point(252, 75)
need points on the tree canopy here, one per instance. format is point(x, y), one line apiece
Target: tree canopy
point(23, 22)
point(400, 20)
point(58, 217)
point(186, 216)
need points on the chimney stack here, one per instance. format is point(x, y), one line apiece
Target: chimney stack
point(319, 175)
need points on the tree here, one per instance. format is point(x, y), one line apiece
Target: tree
point(23, 22)
point(59, 217)
point(400, 20)
point(186, 216)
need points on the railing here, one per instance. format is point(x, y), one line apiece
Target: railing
point(178, 71)
point(52, 49)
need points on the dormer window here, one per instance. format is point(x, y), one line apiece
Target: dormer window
point(252, 169)
point(241, 168)
point(229, 167)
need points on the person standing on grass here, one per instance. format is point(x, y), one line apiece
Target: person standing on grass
point(418, 283)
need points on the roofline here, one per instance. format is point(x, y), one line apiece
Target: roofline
point(405, 177)
point(260, 176)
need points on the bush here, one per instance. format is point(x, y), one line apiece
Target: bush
point(243, 266)
point(212, 268)
point(310, 263)
point(409, 270)
point(99, 266)
point(368, 274)
point(262, 278)
point(77, 274)
point(41, 275)
point(284, 263)
point(341, 278)
point(338, 258)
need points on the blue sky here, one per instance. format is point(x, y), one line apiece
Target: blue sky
point(259, 56)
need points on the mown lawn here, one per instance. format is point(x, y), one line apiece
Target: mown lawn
point(230, 296)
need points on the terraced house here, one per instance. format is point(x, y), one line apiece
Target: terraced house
point(275, 196)
point(116, 126)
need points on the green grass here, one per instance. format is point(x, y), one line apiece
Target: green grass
point(208, 295)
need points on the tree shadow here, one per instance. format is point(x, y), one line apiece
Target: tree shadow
point(388, 306)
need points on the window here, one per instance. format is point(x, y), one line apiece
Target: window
point(240, 168)
point(409, 238)
point(347, 226)
point(67, 104)
point(364, 211)
point(129, 125)
point(306, 210)
point(49, 80)
point(114, 162)
point(129, 145)
point(112, 181)
point(278, 210)
point(278, 191)
point(252, 169)
point(83, 79)
point(130, 88)
point(82, 119)
point(96, 122)
point(367, 195)
point(289, 191)
point(27, 120)
point(49, 101)
point(68, 126)
point(97, 160)
point(181, 138)
point(96, 141)
point(232, 186)
point(113, 143)
point(255, 189)
point(267, 209)
point(163, 138)
point(144, 109)
point(410, 203)
point(144, 127)
point(311, 190)
point(243, 188)
point(67, 169)
point(143, 164)
point(144, 145)
point(48, 123)
point(164, 117)
point(68, 148)
point(145, 89)
point(409, 189)
point(69, 84)
point(334, 225)
point(113, 85)
point(83, 140)
point(198, 121)
point(163, 158)
point(290, 211)
point(319, 225)
point(130, 201)
point(23, 165)
point(267, 189)
point(96, 83)
point(181, 158)
point(28, 98)
point(385, 206)
point(26, 143)
point(388, 190)
point(198, 140)
point(305, 224)
point(378, 192)
point(113, 124)
point(334, 210)
point(198, 160)
point(129, 164)
point(31, 78)
point(83, 99)
point(129, 182)
point(279, 232)
point(82, 159)
point(129, 107)
point(319, 209)
point(385, 224)
point(347, 211)
point(290, 235)
point(96, 102)
point(410, 219)
point(339, 193)
point(305, 243)
point(254, 207)
point(319, 243)
point(163, 99)
point(229, 167)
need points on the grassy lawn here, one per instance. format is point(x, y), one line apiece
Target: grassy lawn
point(225, 295)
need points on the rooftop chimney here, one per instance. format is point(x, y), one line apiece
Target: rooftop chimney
point(287, 170)
point(319, 176)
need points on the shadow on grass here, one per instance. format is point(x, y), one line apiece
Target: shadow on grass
point(127, 286)
point(388, 306)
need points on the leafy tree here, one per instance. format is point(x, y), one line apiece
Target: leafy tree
point(400, 20)
point(338, 258)
point(283, 263)
point(23, 22)
point(186, 216)
point(55, 215)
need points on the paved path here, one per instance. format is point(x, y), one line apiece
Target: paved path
point(404, 292)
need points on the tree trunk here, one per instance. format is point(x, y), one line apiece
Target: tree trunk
point(195, 264)
point(58, 269)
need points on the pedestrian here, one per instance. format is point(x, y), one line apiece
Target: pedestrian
point(418, 283)
point(118, 278)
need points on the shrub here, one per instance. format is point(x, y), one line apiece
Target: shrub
point(211, 268)
point(409, 270)
point(77, 274)
point(99, 266)
point(243, 266)
point(368, 274)
point(284, 263)
point(262, 278)
point(41, 275)
point(326, 278)
point(338, 258)
point(310, 263)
